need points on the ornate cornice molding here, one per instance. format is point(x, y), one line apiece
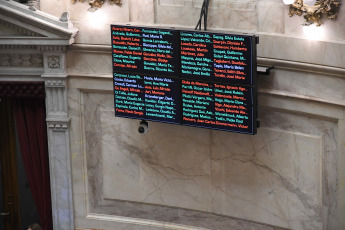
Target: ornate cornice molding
point(52, 48)
point(58, 124)
point(55, 83)
point(18, 29)
point(22, 60)
point(18, 47)
point(36, 27)
point(62, 32)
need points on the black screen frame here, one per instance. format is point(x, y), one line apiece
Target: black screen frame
point(178, 77)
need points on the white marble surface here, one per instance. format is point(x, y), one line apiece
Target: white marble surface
point(141, 11)
point(38, 40)
point(89, 63)
point(289, 175)
point(156, 170)
point(222, 14)
point(264, 16)
point(271, 10)
point(318, 85)
point(282, 177)
point(94, 27)
point(281, 36)
point(272, 178)
point(302, 50)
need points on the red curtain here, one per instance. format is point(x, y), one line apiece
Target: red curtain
point(32, 134)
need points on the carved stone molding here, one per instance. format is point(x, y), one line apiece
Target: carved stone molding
point(18, 47)
point(23, 60)
point(55, 83)
point(52, 48)
point(54, 62)
point(56, 97)
point(19, 29)
point(58, 124)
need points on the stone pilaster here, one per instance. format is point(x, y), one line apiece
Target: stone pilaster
point(33, 49)
point(58, 124)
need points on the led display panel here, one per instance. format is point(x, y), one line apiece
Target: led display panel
point(145, 50)
point(218, 57)
point(147, 97)
point(218, 106)
point(191, 78)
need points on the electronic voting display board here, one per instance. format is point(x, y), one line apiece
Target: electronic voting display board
point(193, 78)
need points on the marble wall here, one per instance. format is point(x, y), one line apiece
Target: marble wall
point(288, 176)
point(189, 178)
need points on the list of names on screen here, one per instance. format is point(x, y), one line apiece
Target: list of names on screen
point(147, 97)
point(218, 106)
point(145, 50)
point(190, 78)
point(216, 57)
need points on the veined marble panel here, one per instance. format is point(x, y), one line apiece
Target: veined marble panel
point(304, 83)
point(55, 9)
point(271, 16)
point(222, 13)
point(89, 63)
point(78, 11)
point(100, 32)
point(263, 16)
point(94, 27)
point(261, 178)
point(171, 2)
point(310, 80)
point(161, 167)
point(277, 177)
point(141, 11)
point(302, 50)
point(215, 4)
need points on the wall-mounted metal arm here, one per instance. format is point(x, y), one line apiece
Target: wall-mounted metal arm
point(264, 69)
